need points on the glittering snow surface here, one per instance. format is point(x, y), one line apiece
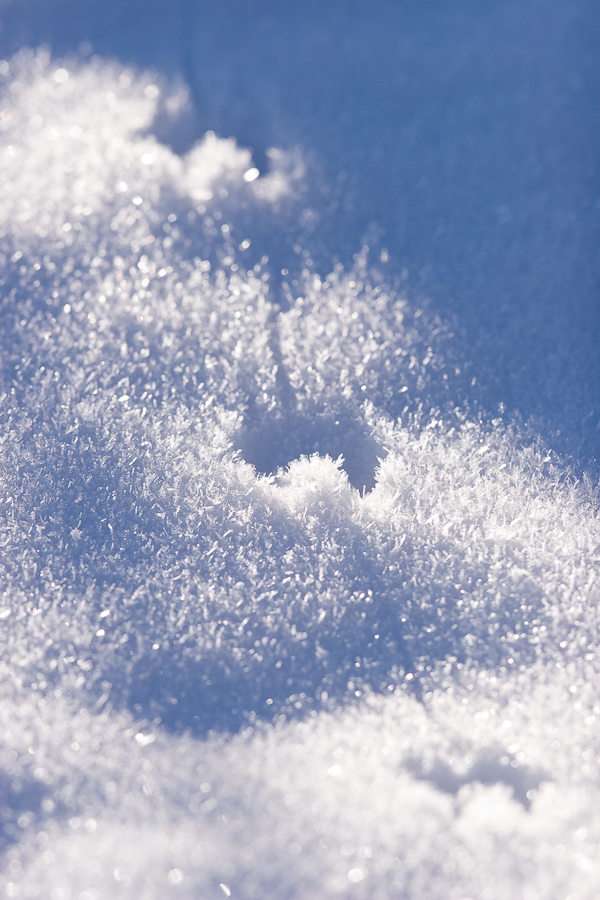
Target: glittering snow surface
point(283, 616)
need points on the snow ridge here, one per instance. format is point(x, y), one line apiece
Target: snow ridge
point(282, 616)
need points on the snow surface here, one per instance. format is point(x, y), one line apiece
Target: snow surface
point(290, 607)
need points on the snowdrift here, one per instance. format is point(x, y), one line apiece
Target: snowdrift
point(282, 615)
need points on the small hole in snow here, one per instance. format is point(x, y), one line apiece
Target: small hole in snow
point(271, 445)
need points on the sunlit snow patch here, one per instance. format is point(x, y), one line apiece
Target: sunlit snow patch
point(405, 648)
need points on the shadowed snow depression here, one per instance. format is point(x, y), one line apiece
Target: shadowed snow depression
point(299, 534)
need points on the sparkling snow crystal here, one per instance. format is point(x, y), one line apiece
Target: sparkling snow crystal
point(282, 615)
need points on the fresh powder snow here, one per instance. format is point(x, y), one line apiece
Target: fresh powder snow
point(300, 557)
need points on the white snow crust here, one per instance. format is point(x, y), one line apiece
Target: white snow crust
point(285, 613)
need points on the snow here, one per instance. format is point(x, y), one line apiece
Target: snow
point(297, 599)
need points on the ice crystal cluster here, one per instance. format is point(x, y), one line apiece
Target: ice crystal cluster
point(281, 615)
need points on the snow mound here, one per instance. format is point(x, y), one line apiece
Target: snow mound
point(281, 615)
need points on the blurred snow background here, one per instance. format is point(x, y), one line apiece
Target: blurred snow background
point(300, 407)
